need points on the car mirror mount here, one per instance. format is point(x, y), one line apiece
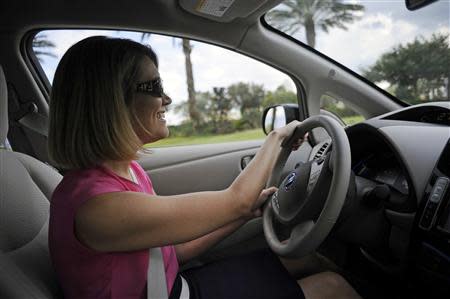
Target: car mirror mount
point(416, 4)
point(277, 116)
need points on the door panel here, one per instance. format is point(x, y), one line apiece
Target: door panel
point(194, 168)
point(184, 169)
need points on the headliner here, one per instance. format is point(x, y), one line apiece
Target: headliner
point(159, 16)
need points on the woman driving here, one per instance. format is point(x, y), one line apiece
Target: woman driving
point(107, 101)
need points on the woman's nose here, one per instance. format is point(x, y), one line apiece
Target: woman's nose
point(166, 100)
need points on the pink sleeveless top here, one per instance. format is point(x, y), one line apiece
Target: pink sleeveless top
point(86, 273)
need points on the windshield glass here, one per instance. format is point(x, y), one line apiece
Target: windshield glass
point(403, 52)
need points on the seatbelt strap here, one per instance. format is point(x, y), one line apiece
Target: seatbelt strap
point(156, 275)
point(184, 289)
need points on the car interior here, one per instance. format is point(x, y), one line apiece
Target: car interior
point(386, 191)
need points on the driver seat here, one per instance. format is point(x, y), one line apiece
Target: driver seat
point(26, 186)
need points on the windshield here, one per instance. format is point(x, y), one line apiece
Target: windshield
point(404, 52)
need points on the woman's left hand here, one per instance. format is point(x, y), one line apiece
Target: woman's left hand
point(299, 142)
point(263, 196)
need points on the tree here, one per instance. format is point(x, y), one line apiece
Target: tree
point(194, 114)
point(247, 97)
point(280, 96)
point(203, 101)
point(42, 47)
point(310, 14)
point(213, 108)
point(218, 108)
point(418, 71)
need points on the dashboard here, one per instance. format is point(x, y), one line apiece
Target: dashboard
point(429, 114)
point(383, 168)
point(399, 160)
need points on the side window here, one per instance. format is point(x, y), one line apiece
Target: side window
point(217, 95)
point(339, 109)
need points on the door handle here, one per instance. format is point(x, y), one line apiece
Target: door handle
point(245, 161)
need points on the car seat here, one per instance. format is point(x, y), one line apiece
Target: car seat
point(26, 186)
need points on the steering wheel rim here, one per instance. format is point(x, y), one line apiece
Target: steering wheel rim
point(308, 235)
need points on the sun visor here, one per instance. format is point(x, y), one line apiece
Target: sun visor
point(222, 10)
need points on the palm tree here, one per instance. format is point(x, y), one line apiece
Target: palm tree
point(193, 111)
point(42, 47)
point(310, 14)
point(194, 114)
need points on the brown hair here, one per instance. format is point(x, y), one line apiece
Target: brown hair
point(90, 103)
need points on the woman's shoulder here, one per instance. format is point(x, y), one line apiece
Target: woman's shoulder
point(81, 184)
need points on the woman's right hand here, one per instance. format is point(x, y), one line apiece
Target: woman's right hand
point(287, 130)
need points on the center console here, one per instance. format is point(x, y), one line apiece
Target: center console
point(430, 248)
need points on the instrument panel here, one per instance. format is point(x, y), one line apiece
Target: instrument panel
point(383, 168)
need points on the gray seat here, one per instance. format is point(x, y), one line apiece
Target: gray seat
point(26, 185)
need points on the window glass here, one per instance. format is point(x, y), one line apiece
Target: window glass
point(230, 90)
point(404, 52)
point(344, 112)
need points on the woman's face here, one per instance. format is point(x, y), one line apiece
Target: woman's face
point(149, 108)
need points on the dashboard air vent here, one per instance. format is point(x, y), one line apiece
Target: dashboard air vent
point(321, 151)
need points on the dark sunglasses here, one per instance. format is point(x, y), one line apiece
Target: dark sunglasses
point(152, 87)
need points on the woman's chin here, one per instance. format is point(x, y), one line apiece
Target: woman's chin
point(157, 137)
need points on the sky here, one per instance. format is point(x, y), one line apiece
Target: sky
point(382, 26)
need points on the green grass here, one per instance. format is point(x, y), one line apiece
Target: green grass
point(238, 136)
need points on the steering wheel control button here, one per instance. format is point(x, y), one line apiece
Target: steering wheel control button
point(432, 206)
point(275, 202)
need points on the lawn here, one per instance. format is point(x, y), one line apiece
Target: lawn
point(237, 136)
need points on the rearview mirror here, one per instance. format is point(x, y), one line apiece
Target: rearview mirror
point(416, 4)
point(278, 116)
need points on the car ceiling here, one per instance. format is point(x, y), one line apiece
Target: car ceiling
point(161, 16)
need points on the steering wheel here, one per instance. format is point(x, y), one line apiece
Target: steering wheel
point(310, 198)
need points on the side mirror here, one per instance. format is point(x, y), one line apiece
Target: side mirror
point(416, 4)
point(278, 116)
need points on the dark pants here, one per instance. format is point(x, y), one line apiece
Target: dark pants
point(255, 275)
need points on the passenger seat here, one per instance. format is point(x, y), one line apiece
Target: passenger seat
point(26, 186)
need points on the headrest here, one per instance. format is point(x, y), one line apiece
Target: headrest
point(3, 108)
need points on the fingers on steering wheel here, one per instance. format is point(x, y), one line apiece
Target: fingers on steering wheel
point(299, 142)
point(268, 192)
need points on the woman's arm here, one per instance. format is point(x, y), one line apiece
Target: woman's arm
point(125, 221)
point(188, 250)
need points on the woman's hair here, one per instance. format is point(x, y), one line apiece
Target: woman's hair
point(91, 103)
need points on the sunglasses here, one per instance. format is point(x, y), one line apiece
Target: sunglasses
point(152, 87)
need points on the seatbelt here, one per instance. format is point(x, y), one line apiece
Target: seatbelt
point(156, 275)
